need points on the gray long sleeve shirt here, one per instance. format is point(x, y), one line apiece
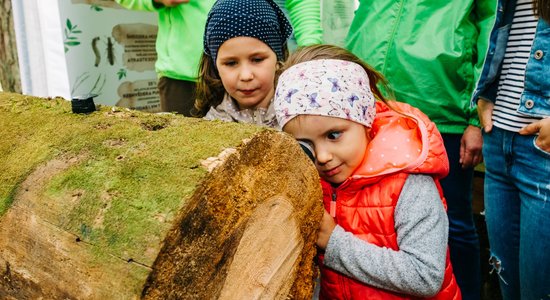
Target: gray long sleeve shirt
point(418, 267)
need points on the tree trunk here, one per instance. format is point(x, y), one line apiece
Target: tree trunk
point(116, 205)
point(9, 66)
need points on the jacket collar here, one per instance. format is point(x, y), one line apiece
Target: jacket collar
point(402, 140)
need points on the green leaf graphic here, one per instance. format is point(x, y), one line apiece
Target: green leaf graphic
point(70, 38)
point(121, 73)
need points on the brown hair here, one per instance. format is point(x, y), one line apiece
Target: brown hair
point(542, 9)
point(314, 52)
point(210, 90)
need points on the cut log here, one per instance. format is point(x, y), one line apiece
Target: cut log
point(116, 205)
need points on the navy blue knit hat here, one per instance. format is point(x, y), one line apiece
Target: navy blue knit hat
point(261, 19)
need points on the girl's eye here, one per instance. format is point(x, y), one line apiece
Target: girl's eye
point(258, 59)
point(229, 63)
point(334, 135)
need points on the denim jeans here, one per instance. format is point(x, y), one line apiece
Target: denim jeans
point(463, 238)
point(517, 205)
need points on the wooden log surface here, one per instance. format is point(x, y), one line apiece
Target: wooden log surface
point(116, 205)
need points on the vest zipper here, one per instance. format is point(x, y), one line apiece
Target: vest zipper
point(333, 205)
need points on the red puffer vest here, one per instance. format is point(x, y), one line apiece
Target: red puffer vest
point(401, 144)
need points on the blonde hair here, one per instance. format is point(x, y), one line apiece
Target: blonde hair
point(314, 52)
point(210, 90)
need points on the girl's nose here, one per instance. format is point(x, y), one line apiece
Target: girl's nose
point(323, 155)
point(246, 73)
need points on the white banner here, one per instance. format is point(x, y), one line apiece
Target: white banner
point(110, 51)
point(72, 48)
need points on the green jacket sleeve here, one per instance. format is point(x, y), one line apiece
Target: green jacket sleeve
point(485, 13)
point(144, 5)
point(305, 16)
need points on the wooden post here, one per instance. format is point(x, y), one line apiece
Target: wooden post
point(9, 66)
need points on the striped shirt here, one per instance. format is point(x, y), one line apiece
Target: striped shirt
point(512, 78)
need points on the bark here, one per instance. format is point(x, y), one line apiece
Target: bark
point(9, 66)
point(245, 230)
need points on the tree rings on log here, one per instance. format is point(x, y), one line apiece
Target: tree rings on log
point(249, 230)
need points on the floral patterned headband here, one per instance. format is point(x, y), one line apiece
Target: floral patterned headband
point(325, 87)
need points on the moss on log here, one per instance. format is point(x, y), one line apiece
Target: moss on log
point(116, 205)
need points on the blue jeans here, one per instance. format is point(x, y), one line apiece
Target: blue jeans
point(463, 239)
point(517, 204)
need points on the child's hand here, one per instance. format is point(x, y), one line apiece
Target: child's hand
point(326, 228)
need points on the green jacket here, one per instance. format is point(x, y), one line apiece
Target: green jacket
point(305, 17)
point(180, 32)
point(431, 52)
point(179, 38)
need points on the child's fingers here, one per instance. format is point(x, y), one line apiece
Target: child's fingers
point(326, 227)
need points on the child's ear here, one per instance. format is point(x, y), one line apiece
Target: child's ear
point(278, 70)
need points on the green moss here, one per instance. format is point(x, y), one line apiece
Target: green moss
point(130, 171)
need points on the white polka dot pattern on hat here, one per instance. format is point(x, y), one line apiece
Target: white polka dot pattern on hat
point(261, 19)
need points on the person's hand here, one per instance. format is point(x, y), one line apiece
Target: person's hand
point(171, 3)
point(485, 112)
point(470, 147)
point(325, 230)
point(542, 127)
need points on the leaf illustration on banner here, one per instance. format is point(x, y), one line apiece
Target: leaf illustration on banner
point(70, 38)
point(96, 7)
point(121, 73)
point(82, 84)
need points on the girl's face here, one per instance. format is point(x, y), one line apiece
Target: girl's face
point(339, 144)
point(247, 69)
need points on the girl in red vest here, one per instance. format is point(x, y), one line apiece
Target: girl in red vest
point(384, 232)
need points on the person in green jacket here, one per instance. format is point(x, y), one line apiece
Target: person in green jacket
point(305, 17)
point(178, 45)
point(432, 55)
point(180, 38)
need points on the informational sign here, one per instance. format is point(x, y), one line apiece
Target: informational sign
point(110, 52)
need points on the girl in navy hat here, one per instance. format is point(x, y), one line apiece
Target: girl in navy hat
point(244, 47)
